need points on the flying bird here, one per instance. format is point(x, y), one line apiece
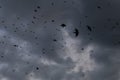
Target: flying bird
point(76, 32)
point(89, 28)
point(63, 25)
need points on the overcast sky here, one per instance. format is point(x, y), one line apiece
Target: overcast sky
point(59, 39)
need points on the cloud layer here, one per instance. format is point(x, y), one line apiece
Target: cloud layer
point(59, 40)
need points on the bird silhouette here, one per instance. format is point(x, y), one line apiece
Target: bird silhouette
point(76, 32)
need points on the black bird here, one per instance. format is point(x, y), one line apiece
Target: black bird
point(63, 25)
point(54, 40)
point(38, 7)
point(15, 45)
point(37, 68)
point(89, 28)
point(99, 7)
point(76, 32)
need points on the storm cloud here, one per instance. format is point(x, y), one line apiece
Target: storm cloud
point(59, 40)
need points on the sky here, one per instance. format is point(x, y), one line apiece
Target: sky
point(59, 40)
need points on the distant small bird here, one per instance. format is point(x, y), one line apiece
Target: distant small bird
point(15, 45)
point(37, 68)
point(63, 25)
point(54, 40)
point(89, 28)
point(38, 7)
point(98, 7)
point(76, 32)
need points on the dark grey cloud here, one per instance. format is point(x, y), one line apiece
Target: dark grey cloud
point(59, 39)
